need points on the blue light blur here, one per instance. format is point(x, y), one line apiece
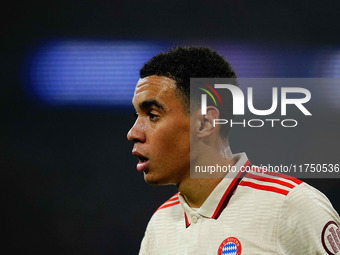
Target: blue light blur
point(88, 72)
point(104, 72)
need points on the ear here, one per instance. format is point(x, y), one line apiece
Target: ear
point(207, 127)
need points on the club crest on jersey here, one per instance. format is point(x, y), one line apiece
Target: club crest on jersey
point(230, 246)
point(330, 238)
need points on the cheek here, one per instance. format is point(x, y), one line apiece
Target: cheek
point(167, 143)
point(177, 141)
point(171, 140)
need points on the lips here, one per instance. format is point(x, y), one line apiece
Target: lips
point(143, 163)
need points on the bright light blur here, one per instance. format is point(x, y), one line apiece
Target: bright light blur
point(104, 73)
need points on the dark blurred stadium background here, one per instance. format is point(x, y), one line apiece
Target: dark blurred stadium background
point(68, 68)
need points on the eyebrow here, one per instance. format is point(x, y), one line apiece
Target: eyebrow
point(149, 103)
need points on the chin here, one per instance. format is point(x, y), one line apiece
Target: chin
point(154, 180)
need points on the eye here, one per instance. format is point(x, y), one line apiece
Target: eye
point(152, 116)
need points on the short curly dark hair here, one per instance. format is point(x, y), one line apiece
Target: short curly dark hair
point(183, 63)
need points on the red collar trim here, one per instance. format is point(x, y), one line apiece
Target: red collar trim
point(230, 191)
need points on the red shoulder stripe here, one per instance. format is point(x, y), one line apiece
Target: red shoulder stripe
point(174, 196)
point(168, 205)
point(173, 199)
point(257, 169)
point(264, 187)
point(265, 179)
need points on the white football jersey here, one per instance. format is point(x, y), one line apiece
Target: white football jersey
point(249, 212)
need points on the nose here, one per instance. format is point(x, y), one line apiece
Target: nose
point(137, 132)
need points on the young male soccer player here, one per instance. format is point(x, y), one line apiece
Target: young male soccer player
point(248, 212)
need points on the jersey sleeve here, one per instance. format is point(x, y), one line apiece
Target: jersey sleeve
point(308, 223)
point(144, 245)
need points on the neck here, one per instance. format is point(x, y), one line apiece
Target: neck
point(197, 190)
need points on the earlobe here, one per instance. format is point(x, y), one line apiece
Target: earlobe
point(208, 127)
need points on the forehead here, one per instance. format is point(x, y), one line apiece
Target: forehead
point(155, 87)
